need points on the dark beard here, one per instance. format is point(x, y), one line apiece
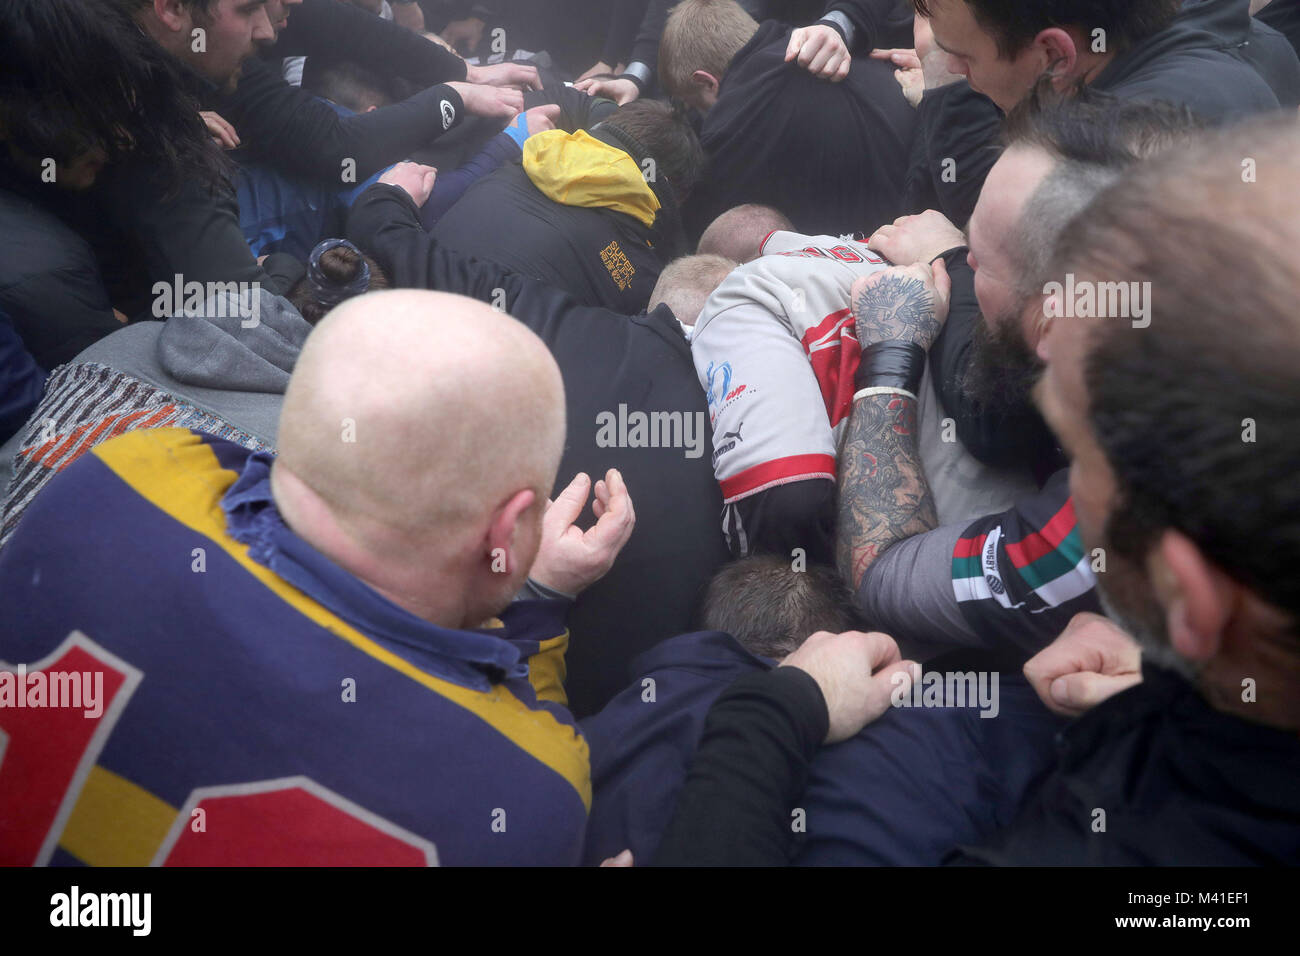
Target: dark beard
point(1002, 369)
point(1128, 599)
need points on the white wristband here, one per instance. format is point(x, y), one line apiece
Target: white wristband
point(882, 390)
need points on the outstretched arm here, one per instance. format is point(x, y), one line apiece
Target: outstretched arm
point(884, 496)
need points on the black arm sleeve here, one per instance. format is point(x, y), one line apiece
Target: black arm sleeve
point(950, 354)
point(883, 24)
point(385, 223)
point(302, 136)
point(955, 146)
point(800, 514)
point(1000, 440)
point(646, 48)
point(748, 772)
point(341, 31)
point(194, 233)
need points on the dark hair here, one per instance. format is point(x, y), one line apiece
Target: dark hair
point(1171, 404)
point(1091, 126)
point(346, 83)
point(79, 75)
point(771, 609)
point(1013, 24)
point(337, 268)
point(1094, 138)
point(204, 7)
point(667, 138)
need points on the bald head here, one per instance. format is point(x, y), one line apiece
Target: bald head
point(686, 284)
point(412, 413)
point(739, 231)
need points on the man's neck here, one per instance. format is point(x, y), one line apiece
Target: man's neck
point(308, 516)
point(1091, 65)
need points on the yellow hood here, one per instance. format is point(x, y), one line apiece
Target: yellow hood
point(577, 169)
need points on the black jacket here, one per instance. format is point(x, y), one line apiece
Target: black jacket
point(297, 134)
point(50, 282)
point(339, 31)
point(1180, 784)
point(598, 255)
point(1283, 16)
point(1196, 61)
point(877, 23)
point(1252, 41)
point(607, 359)
point(956, 145)
point(831, 156)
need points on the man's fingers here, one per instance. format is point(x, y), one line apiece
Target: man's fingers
point(568, 504)
point(614, 526)
point(887, 676)
point(882, 241)
point(529, 77)
point(821, 63)
point(942, 281)
point(1075, 693)
point(883, 651)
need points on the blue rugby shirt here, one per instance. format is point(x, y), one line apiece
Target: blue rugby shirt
point(242, 720)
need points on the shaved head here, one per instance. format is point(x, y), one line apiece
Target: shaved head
point(686, 284)
point(411, 419)
point(739, 231)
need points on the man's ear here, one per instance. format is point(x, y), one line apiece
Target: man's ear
point(705, 82)
point(1198, 598)
point(501, 532)
point(173, 14)
point(1059, 51)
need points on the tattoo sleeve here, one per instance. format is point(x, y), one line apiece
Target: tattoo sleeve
point(896, 308)
point(883, 494)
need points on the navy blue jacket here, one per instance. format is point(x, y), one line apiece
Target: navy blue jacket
point(904, 791)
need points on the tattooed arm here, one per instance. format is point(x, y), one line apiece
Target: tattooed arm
point(884, 496)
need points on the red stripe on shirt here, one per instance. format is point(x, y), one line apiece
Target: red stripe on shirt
point(779, 471)
point(1044, 541)
point(969, 547)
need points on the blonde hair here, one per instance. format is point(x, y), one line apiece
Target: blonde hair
point(701, 35)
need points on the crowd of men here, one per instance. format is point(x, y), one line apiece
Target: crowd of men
point(653, 432)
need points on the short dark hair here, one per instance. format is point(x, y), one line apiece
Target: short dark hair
point(202, 6)
point(1170, 404)
point(346, 83)
point(1094, 137)
point(1013, 24)
point(341, 266)
point(771, 608)
point(667, 138)
point(79, 74)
